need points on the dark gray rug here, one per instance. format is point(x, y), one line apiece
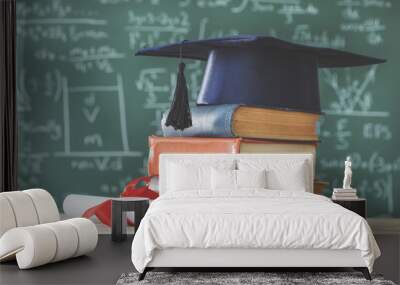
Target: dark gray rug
point(231, 278)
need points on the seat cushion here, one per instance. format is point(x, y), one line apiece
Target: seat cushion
point(45, 205)
point(87, 235)
point(7, 220)
point(33, 246)
point(23, 208)
point(26, 208)
point(66, 238)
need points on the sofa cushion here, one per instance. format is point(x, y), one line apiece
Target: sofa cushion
point(23, 208)
point(41, 244)
point(7, 220)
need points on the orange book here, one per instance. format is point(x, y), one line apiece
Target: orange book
point(159, 145)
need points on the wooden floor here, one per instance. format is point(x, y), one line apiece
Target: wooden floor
point(110, 260)
point(103, 266)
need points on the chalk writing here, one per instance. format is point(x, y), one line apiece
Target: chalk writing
point(352, 95)
point(289, 11)
point(56, 8)
point(99, 163)
point(94, 139)
point(380, 189)
point(31, 167)
point(50, 128)
point(256, 6)
point(65, 33)
point(303, 34)
point(91, 115)
point(286, 8)
point(85, 59)
point(372, 27)
point(91, 110)
point(148, 82)
point(365, 3)
point(349, 13)
point(374, 163)
point(113, 2)
point(377, 131)
point(146, 30)
point(341, 134)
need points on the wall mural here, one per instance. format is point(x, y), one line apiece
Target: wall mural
point(87, 105)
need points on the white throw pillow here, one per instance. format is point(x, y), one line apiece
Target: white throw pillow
point(226, 179)
point(251, 178)
point(183, 175)
point(294, 180)
point(282, 174)
point(223, 179)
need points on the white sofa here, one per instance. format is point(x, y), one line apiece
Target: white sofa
point(31, 231)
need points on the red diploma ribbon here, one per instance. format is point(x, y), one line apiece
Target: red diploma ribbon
point(103, 211)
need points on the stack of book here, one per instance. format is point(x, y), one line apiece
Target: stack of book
point(344, 194)
point(234, 128)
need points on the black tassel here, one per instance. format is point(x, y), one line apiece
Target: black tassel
point(179, 116)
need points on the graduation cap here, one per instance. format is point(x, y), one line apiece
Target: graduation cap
point(260, 71)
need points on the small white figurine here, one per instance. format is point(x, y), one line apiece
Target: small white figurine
point(347, 173)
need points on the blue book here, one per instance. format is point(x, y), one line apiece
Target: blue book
point(207, 121)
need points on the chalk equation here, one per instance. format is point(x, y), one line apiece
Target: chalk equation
point(303, 34)
point(288, 9)
point(353, 96)
point(372, 27)
point(148, 29)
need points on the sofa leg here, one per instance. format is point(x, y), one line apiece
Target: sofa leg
point(143, 274)
point(364, 271)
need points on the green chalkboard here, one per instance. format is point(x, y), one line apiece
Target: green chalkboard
point(87, 105)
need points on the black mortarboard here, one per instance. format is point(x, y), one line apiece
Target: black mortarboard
point(260, 71)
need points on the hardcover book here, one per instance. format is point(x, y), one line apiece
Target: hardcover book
point(232, 120)
point(159, 145)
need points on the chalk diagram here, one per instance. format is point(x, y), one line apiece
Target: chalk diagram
point(91, 110)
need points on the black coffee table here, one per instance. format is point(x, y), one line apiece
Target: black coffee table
point(119, 207)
